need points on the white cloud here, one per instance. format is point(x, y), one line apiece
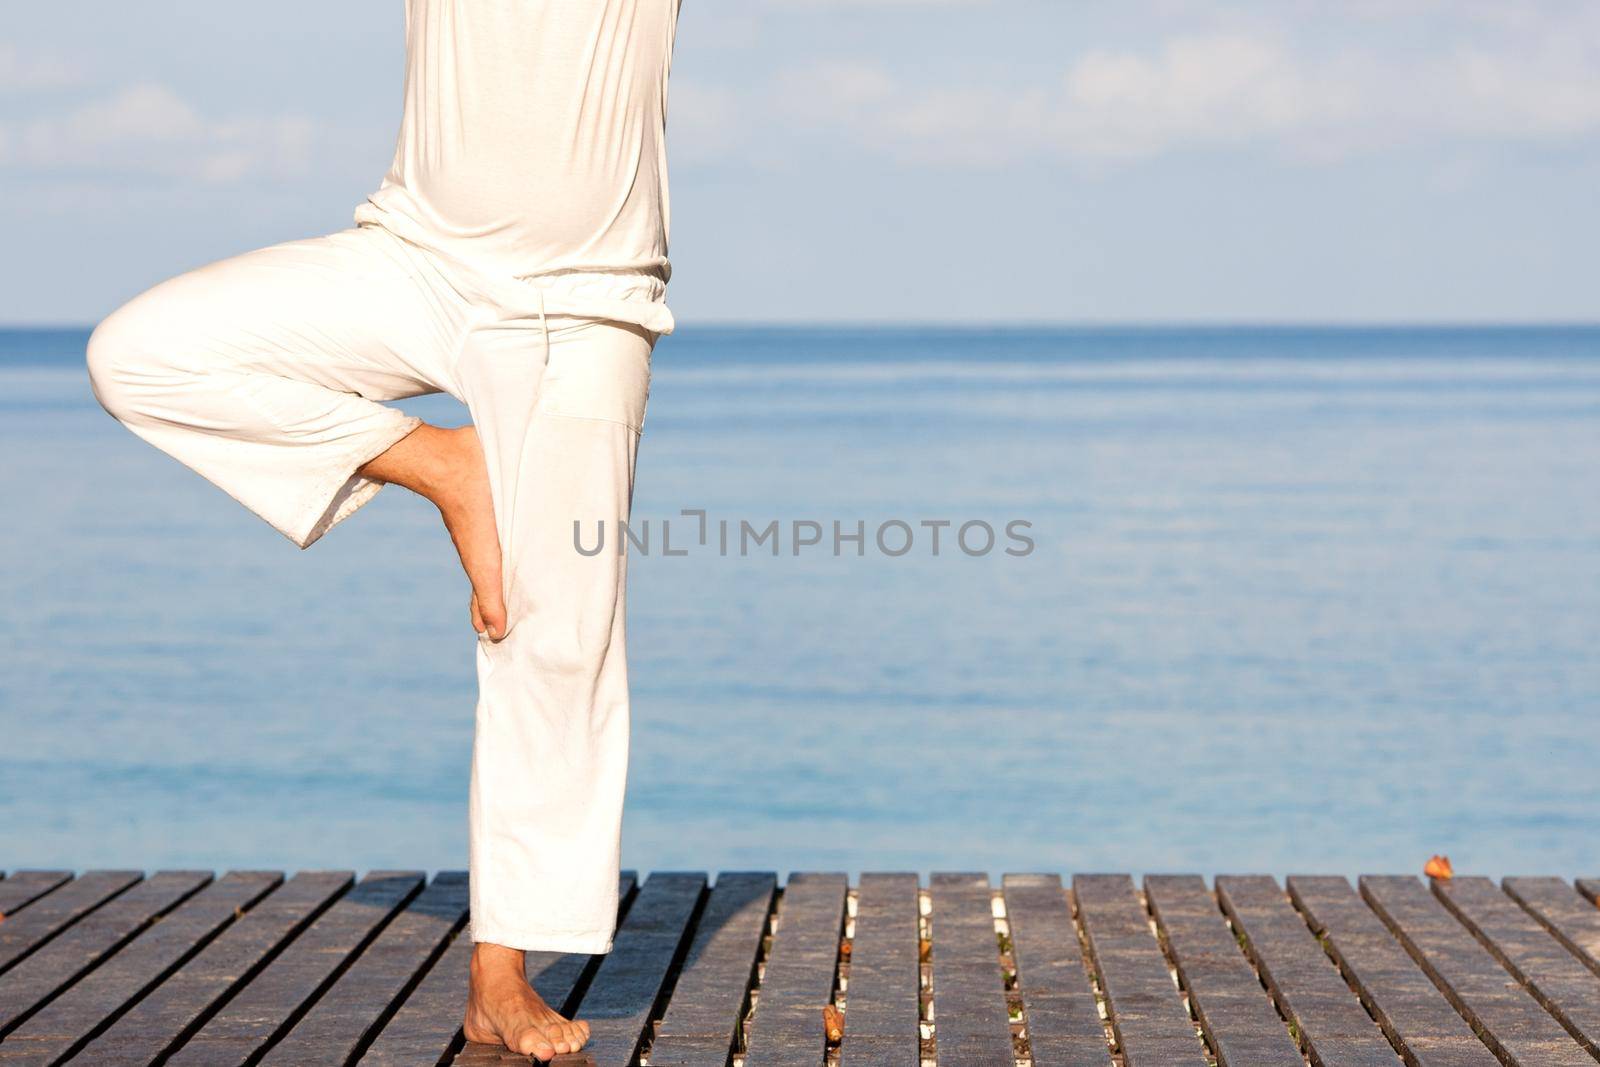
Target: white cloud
point(1224, 88)
point(1352, 81)
point(1483, 74)
point(149, 129)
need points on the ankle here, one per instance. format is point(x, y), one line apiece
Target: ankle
point(491, 959)
point(421, 461)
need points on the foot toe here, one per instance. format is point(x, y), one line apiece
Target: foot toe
point(493, 615)
point(532, 1043)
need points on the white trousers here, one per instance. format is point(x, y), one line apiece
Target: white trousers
point(265, 374)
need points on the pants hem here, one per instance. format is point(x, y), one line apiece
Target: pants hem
point(345, 492)
point(594, 943)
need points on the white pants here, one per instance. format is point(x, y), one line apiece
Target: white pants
point(265, 373)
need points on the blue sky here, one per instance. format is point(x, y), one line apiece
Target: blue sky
point(896, 160)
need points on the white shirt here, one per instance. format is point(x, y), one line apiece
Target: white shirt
point(532, 151)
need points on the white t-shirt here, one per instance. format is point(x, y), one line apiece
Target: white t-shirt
point(532, 152)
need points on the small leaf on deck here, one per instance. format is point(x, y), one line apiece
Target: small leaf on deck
point(833, 1023)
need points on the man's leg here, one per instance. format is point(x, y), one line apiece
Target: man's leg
point(559, 434)
point(263, 372)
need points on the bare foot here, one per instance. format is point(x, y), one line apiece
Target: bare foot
point(502, 1009)
point(468, 510)
point(447, 467)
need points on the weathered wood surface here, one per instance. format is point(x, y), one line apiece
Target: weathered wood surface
point(970, 1021)
point(786, 1028)
point(1415, 1016)
point(1306, 986)
point(163, 1020)
point(620, 1003)
point(24, 887)
point(87, 1007)
point(701, 1024)
point(271, 1003)
point(1062, 1015)
point(1571, 919)
point(113, 969)
point(1514, 1025)
point(36, 924)
point(62, 960)
point(1152, 1026)
point(1241, 1025)
point(884, 996)
point(360, 1001)
point(1563, 985)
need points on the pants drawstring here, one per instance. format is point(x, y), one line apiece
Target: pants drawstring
point(544, 326)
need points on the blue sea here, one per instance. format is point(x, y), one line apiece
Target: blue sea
point(1298, 599)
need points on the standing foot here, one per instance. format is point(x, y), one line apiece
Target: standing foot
point(447, 467)
point(502, 1009)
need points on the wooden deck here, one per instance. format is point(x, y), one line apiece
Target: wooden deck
point(116, 968)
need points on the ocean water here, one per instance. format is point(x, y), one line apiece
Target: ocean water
point(1297, 599)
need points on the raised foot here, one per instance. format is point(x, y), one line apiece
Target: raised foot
point(448, 468)
point(502, 1009)
point(461, 493)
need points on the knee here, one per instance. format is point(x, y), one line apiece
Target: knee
point(559, 647)
point(121, 357)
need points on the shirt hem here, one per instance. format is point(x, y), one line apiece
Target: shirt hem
point(530, 293)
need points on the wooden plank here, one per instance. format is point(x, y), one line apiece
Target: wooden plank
point(72, 1018)
point(1240, 1022)
point(709, 997)
point(360, 1000)
point(61, 961)
point(1151, 1025)
point(1063, 1017)
point(620, 1001)
point(1590, 888)
point(1413, 1014)
point(970, 1022)
point(24, 887)
point(1571, 919)
point(427, 1028)
point(108, 970)
point(786, 1026)
point(883, 1013)
point(187, 999)
point(1505, 1015)
point(1333, 1027)
point(273, 1000)
point(43, 919)
point(1565, 987)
